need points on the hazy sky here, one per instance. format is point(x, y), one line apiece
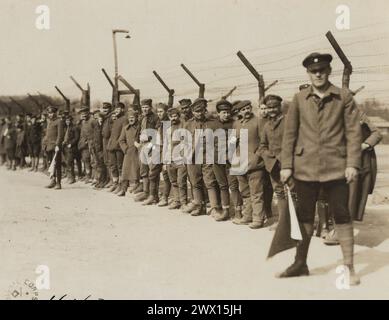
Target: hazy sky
point(203, 34)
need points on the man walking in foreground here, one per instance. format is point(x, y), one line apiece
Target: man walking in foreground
point(321, 148)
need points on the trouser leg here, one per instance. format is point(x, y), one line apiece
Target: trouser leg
point(221, 175)
point(267, 194)
point(279, 191)
point(154, 177)
point(166, 184)
point(119, 156)
point(87, 162)
point(211, 185)
point(79, 163)
point(247, 213)
point(172, 171)
point(182, 179)
point(196, 179)
point(234, 189)
point(144, 174)
point(113, 165)
point(255, 180)
point(58, 167)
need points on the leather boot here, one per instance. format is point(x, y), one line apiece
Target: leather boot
point(257, 224)
point(299, 267)
point(133, 187)
point(237, 213)
point(121, 191)
point(51, 185)
point(224, 216)
point(141, 197)
point(139, 188)
point(188, 208)
point(247, 214)
point(58, 186)
point(88, 178)
point(115, 183)
point(214, 202)
point(199, 210)
point(150, 201)
point(119, 188)
point(163, 202)
point(174, 205)
point(32, 165)
point(214, 212)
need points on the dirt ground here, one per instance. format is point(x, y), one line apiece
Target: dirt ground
point(97, 245)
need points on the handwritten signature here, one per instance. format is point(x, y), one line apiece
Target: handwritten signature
point(65, 297)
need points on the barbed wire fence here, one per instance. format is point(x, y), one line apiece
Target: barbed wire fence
point(279, 61)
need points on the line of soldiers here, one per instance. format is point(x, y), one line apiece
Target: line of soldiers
point(21, 137)
point(315, 149)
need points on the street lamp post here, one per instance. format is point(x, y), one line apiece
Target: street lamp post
point(115, 51)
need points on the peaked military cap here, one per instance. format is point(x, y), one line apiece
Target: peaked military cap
point(223, 105)
point(172, 111)
point(199, 103)
point(242, 104)
point(52, 109)
point(272, 98)
point(146, 102)
point(120, 105)
point(317, 60)
point(185, 102)
point(107, 105)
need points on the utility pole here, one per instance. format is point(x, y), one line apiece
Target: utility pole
point(115, 51)
point(115, 93)
point(199, 84)
point(169, 91)
point(40, 107)
point(348, 69)
point(256, 74)
point(85, 94)
point(131, 90)
point(67, 101)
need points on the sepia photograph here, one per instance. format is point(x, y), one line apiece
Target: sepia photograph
point(212, 152)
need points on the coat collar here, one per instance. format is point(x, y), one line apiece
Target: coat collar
point(243, 120)
point(331, 90)
point(275, 122)
point(128, 126)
